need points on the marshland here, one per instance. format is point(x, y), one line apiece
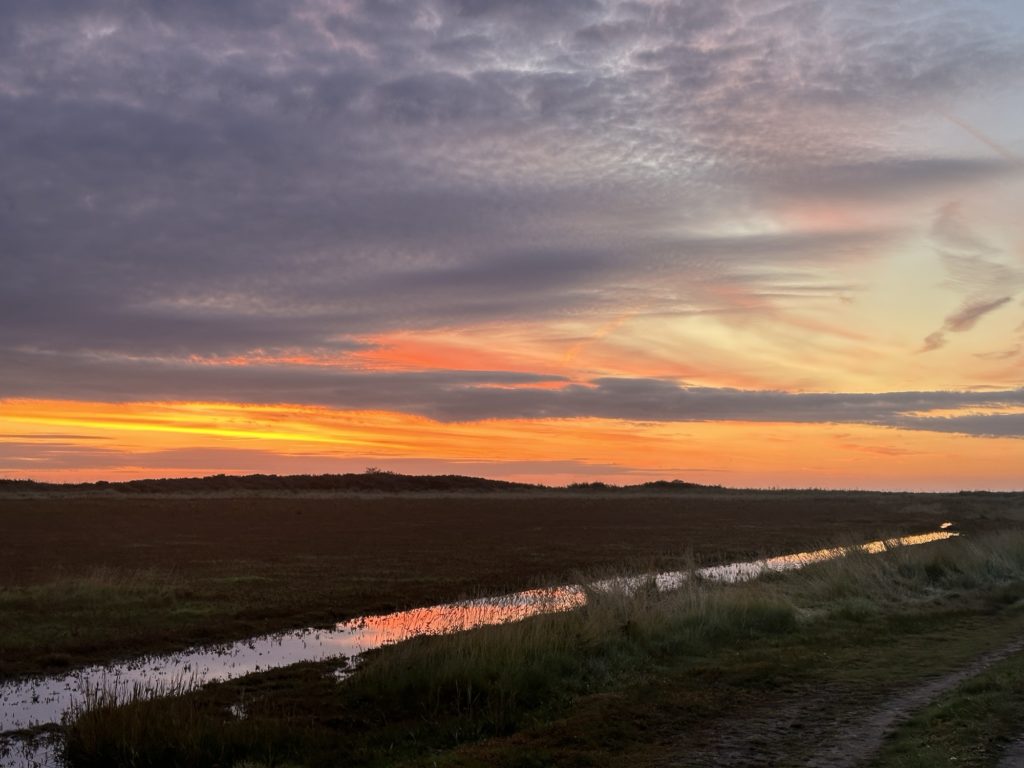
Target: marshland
point(789, 668)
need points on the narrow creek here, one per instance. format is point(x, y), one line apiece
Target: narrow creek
point(46, 700)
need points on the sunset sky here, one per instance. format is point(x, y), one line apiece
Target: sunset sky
point(742, 242)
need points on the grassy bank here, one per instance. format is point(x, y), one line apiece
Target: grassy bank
point(625, 679)
point(87, 578)
point(972, 726)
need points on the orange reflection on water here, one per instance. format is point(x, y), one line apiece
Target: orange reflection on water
point(457, 617)
point(26, 703)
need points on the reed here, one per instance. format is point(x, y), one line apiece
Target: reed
point(903, 577)
point(447, 689)
point(490, 677)
point(160, 725)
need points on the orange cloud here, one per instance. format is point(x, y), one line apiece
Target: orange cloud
point(468, 350)
point(134, 438)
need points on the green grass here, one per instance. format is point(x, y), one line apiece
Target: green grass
point(430, 692)
point(120, 731)
point(502, 695)
point(70, 620)
point(484, 681)
point(971, 726)
point(55, 622)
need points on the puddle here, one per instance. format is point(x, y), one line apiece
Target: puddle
point(44, 700)
point(37, 752)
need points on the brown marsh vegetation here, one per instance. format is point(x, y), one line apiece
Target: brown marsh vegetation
point(93, 573)
point(767, 672)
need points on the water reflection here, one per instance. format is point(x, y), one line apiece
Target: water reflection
point(34, 752)
point(45, 700)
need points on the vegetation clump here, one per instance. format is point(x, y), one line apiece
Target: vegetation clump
point(433, 693)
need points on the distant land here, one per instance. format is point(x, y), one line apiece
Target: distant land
point(383, 481)
point(371, 480)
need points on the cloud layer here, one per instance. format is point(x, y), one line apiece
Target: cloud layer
point(258, 175)
point(191, 190)
point(466, 396)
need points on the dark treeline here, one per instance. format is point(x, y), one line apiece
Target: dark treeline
point(384, 481)
point(370, 480)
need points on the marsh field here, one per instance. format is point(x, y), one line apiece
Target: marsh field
point(909, 657)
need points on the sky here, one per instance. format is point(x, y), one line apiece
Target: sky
point(764, 243)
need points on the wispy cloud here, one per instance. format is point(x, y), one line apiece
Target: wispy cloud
point(988, 141)
point(973, 268)
point(244, 177)
point(963, 320)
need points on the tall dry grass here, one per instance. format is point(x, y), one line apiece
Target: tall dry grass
point(98, 585)
point(906, 576)
point(159, 726)
point(487, 680)
point(490, 676)
point(493, 674)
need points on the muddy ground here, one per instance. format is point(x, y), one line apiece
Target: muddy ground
point(242, 563)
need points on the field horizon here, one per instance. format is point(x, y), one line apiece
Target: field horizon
point(387, 481)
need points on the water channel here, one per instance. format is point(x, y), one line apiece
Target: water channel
point(46, 700)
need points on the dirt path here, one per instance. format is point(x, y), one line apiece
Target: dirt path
point(848, 724)
point(1014, 756)
point(864, 735)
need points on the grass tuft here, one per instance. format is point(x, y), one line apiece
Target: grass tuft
point(153, 727)
point(434, 692)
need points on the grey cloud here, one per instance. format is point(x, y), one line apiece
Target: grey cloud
point(34, 374)
point(853, 53)
point(951, 230)
point(463, 47)
point(971, 261)
point(933, 341)
point(442, 97)
point(460, 396)
point(965, 318)
point(609, 33)
point(1000, 354)
point(887, 177)
point(784, 246)
point(278, 288)
point(236, 14)
point(659, 400)
point(976, 274)
point(973, 266)
point(528, 272)
point(208, 178)
point(535, 11)
point(981, 425)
